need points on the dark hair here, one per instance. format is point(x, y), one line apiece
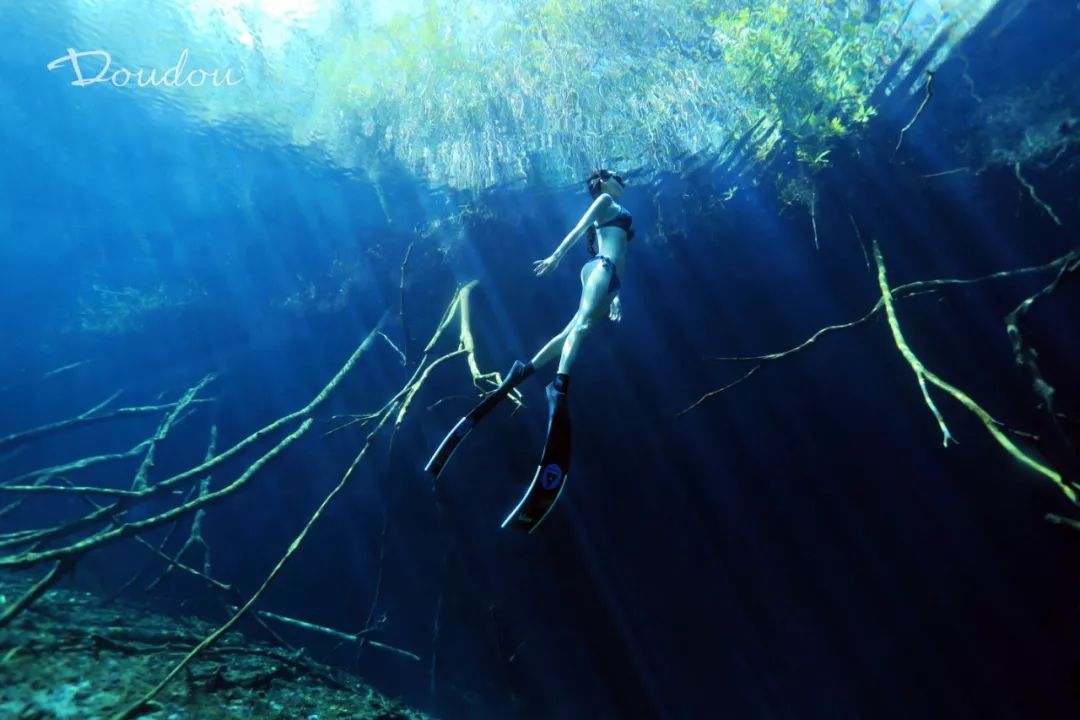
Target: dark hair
point(593, 183)
point(595, 179)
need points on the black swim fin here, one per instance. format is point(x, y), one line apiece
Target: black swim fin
point(550, 477)
point(518, 374)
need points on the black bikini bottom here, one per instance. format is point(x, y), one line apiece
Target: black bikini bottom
point(614, 284)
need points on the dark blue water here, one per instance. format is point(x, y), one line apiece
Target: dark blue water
point(801, 546)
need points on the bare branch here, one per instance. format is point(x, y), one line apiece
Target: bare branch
point(727, 387)
point(922, 106)
point(141, 476)
point(925, 375)
point(131, 528)
point(1034, 196)
point(401, 305)
point(902, 291)
point(84, 419)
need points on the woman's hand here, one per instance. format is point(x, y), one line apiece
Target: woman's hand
point(543, 267)
point(616, 309)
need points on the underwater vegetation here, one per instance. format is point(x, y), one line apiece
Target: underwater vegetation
point(858, 133)
point(474, 94)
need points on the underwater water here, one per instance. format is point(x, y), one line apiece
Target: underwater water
point(237, 327)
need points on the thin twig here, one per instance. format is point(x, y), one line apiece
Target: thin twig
point(1026, 356)
point(84, 419)
point(1034, 196)
point(401, 305)
point(947, 172)
point(312, 627)
point(378, 581)
point(397, 651)
point(862, 245)
point(902, 291)
point(141, 480)
point(727, 387)
point(922, 106)
point(396, 349)
point(27, 559)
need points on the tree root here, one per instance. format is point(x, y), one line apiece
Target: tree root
point(1025, 355)
point(923, 374)
point(922, 106)
point(28, 548)
point(1034, 196)
point(391, 414)
point(1063, 264)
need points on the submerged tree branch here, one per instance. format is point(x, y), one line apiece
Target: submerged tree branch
point(922, 106)
point(407, 342)
point(141, 480)
point(1024, 354)
point(1063, 264)
point(128, 529)
point(1035, 196)
point(135, 709)
point(392, 412)
point(923, 374)
point(87, 418)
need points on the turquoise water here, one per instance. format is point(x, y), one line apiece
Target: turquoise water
point(803, 544)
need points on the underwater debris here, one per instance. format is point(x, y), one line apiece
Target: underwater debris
point(72, 658)
point(106, 523)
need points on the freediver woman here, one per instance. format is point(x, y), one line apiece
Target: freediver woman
point(609, 224)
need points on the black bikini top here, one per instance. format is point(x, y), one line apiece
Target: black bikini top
point(622, 220)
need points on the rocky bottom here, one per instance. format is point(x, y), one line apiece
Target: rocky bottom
point(70, 656)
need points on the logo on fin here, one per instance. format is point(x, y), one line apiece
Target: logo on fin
point(551, 476)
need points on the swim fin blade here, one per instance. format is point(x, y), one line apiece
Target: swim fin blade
point(550, 477)
point(518, 374)
point(449, 444)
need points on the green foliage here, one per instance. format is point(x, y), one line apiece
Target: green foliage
point(472, 94)
point(467, 93)
point(805, 65)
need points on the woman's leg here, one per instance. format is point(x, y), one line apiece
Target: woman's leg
point(553, 347)
point(595, 300)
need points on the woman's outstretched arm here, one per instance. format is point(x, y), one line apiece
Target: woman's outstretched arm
point(597, 209)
